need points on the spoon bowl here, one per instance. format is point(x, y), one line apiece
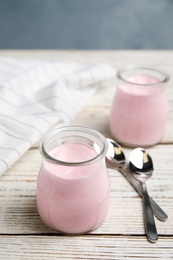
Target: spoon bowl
point(141, 165)
point(115, 157)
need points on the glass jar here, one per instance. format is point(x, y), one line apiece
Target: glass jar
point(139, 112)
point(73, 187)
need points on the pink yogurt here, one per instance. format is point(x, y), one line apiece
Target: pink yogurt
point(139, 111)
point(73, 199)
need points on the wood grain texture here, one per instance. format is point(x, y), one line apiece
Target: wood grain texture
point(84, 247)
point(122, 236)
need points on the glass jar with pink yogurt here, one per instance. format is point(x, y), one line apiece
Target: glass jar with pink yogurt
point(73, 188)
point(139, 112)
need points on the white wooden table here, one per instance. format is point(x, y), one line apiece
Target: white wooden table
point(122, 236)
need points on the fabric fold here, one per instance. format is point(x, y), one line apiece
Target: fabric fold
point(37, 95)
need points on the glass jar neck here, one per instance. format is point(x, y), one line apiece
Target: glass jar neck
point(73, 136)
point(142, 76)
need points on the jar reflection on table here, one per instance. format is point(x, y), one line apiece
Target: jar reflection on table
point(73, 188)
point(139, 112)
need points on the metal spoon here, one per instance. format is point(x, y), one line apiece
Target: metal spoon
point(141, 167)
point(115, 159)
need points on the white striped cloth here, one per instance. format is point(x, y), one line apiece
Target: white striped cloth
point(36, 95)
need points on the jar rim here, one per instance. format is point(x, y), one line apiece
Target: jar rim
point(79, 129)
point(132, 67)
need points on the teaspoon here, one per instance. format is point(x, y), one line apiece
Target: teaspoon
point(115, 158)
point(141, 167)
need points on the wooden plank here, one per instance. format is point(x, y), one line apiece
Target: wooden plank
point(18, 197)
point(20, 216)
point(84, 247)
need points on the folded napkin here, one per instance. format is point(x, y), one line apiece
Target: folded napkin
point(37, 95)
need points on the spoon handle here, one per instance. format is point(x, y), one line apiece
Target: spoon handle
point(158, 212)
point(148, 217)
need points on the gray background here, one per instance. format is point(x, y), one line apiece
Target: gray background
point(86, 24)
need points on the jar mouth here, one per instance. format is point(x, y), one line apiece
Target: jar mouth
point(73, 134)
point(134, 70)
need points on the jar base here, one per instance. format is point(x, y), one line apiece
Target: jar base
point(134, 145)
point(74, 234)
